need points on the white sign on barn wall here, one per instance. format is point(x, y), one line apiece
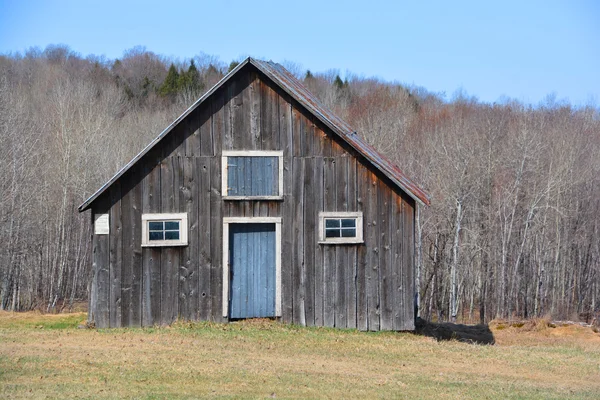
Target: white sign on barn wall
point(101, 226)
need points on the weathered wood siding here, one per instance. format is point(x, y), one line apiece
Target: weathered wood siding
point(368, 286)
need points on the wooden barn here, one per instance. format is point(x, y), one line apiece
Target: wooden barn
point(256, 202)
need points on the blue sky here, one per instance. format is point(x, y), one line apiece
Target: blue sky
point(524, 50)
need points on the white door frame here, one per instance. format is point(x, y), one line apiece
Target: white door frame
point(226, 266)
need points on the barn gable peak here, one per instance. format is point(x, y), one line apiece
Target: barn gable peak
point(288, 83)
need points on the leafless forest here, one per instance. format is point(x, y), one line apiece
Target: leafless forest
point(513, 229)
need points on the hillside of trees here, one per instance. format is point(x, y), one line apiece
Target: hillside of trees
point(513, 230)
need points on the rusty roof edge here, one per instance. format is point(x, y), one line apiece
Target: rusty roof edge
point(86, 204)
point(422, 197)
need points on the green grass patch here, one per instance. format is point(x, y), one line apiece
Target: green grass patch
point(34, 320)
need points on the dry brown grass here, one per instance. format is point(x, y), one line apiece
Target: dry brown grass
point(45, 356)
point(543, 332)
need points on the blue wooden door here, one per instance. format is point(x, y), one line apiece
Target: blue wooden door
point(252, 273)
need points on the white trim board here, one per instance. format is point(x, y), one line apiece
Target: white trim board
point(226, 268)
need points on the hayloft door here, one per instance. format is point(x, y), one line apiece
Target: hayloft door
point(252, 260)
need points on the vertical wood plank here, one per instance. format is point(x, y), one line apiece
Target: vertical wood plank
point(341, 252)
point(127, 269)
point(131, 278)
point(151, 255)
point(319, 277)
point(175, 145)
point(385, 263)
point(192, 143)
point(310, 218)
point(372, 245)
point(327, 144)
point(308, 136)
point(229, 105)
point(329, 266)
point(254, 131)
point(206, 134)
point(216, 240)
point(397, 264)
point(189, 268)
point(320, 139)
point(171, 174)
point(336, 149)
point(362, 182)
point(240, 113)
point(351, 294)
point(116, 255)
point(101, 268)
point(203, 205)
point(298, 251)
point(409, 266)
point(93, 296)
point(218, 122)
point(297, 132)
point(136, 215)
point(269, 117)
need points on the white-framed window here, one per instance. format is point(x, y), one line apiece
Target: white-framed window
point(252, 175)
point(164, 230)
point(340, 227)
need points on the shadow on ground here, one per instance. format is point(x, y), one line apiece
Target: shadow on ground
point(476, 334)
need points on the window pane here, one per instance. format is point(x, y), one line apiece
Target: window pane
point(349, 223)
point(156, 236)
point(155, 225)
point(349, 232)
point(172, 225)
point(332, 233)
point(172, 235)
point(332, 223)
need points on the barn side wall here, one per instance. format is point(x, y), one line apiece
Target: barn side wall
point(368, 286)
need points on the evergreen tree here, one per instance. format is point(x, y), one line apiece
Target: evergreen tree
point(338, 83)
point(170, 85)
point(147, 86)
point(190, 80)
point(196, 82)
point(308, 75)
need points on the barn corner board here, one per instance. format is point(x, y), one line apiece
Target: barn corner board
point(256, 202)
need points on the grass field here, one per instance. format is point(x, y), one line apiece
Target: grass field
point(46, 356)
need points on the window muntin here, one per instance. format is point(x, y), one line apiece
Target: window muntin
point(254, 175)
point(340, 227)
point(164, 230)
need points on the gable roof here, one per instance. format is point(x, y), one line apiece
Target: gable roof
point(288, 83)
